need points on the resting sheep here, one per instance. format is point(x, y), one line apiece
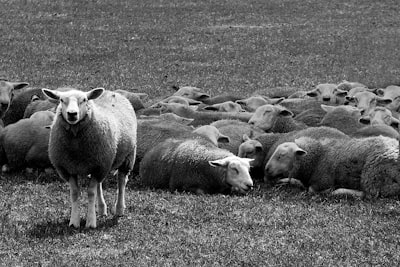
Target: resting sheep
point(366, 166)
point(275, 118)
point(24, 144)
point(6, 101)
point(328, 93)
point(93, 133)
point(252, 103)
point(192, 93)
point(195, 165)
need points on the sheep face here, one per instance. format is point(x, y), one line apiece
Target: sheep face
point(366, 101)
point(237, 172)
point(328, 93)
point(252, 149)
point(73, 104)
point(379, 116)
point(266, 116)
point(7, 94)
point(282, 160)
point(392, 92)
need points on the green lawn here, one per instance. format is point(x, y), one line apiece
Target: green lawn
point(236, 47)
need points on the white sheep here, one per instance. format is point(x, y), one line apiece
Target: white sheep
point(253, 102)
point(328, 93)
point(366, 166)
point(192, 92)
point(93, 133)
point(7, 96)
point(195, 165)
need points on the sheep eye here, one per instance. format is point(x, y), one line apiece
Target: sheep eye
point(61, 100)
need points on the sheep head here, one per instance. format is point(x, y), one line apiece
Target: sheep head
point(266, 116)
point(73, 103)
point(7, 94)
point(237, 172)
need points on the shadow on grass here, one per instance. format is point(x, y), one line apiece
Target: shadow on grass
point(62, 229)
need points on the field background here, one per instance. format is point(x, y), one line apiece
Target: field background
point(236, 47)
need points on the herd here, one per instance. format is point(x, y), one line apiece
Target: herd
point(335, 138)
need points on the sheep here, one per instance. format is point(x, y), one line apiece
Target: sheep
point(360, 167)
point(275, 118)
point(227, 106)
point(176, 99)
point(195, 165)
point(299, 105)
point(270, 141)
point(38, 104)
point(168, 117)
point(344, 118)
point(379, 116)
point(235, 130)
point(24, 144)
point(252, 103)
point(192, 93)
point(348, 86)
point(93, 133)
point(7, 97)
point(253, 149)
point(391, 92)
point(155, 131)
point(134, 98)
point(328, 93)
point(365, 101)
point(203, 118)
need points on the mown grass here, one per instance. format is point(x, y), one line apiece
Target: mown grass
point(236, 47)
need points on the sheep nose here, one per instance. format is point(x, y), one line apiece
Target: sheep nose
point(251, 122)
point(326, 98)
point(4, 106)
point(362, 111)
point(72, 116)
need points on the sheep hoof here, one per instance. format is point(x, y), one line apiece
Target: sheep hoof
point(118, 211)
point(90, 225)
point(75, 224)
point(345, 191)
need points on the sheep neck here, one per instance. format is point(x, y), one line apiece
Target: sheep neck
point(75, 128)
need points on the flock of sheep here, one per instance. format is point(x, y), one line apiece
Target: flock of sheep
point(337, 138)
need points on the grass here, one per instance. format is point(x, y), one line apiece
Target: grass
point(235, 47)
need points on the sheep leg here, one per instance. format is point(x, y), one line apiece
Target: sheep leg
point(345, 191)
point(74, 195)
point(91, 213)
point(101, 203)
point(119, 207)
point(291, 181)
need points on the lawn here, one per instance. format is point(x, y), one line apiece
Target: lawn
point(231, 46)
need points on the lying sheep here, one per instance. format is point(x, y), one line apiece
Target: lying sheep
point(328, 93)
point(235, 130)
point(38, 104)
point(220, 99)
point(176, 99)
point(228, 106)
point(391, 92)
point(7, 98)
point(366, 100)
point(192, 93)
point(195, 165)
point(252, 103)
point(380, 116)
point(154, 131)
point(136, 99)
point(253, 149)
point(24, 144)
point(270, 141)
point(275, 118)
point(367, 166)
point(347, 86)
point(167, 117)
point(93, 133)
point(203, 118)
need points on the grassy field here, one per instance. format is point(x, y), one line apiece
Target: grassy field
point(230, 46)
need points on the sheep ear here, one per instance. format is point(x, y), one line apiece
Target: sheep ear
point(383, 101)
point(327, 108)
point(286, 113)
point(300, 152)
point(34, 98)
point(223, 139)
point(380, 91)
point(312, 93)
point(365, 120)
point(95, 93)
point(18, 86)
point(275, 101)
point(395, 122)
point(245, 138)
point(214, 108)
point(51, 94)
point(219, 163)
point(340, 92)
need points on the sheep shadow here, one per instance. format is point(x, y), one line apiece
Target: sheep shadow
point(61, 228)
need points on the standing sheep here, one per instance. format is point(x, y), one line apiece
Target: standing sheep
point(93, 133)
point(195, 165)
